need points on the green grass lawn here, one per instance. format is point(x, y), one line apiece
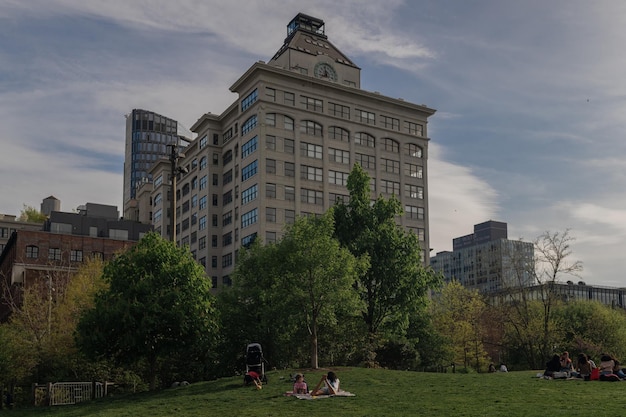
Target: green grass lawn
point(378, 393)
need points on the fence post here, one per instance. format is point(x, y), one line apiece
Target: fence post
point(93, 390)
point(49, 394)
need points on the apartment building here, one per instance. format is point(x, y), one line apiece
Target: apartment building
point(285, 148)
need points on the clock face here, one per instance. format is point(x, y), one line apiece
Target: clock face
point(325, 71)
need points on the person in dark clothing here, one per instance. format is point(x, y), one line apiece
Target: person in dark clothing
point(553, 365)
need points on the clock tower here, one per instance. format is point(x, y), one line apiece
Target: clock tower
point(308, 51)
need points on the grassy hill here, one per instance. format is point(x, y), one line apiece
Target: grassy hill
point(378, 393)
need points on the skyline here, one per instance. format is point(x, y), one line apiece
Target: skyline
point(529, 100)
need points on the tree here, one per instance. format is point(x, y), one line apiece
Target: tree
point(397, 281)
point(458, 313)
point(302, 282)
point(532, 328)
point(158, 308)
point(31, 214)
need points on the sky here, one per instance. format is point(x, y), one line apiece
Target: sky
point(530, 99)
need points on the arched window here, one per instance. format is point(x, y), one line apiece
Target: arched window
point(248, 125)
point(391, 145)
point(364, 139)
point(338, 133)
point(203, 162)
point(311, 128)
point(413, 150)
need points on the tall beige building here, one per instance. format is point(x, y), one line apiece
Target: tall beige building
point(286, 147)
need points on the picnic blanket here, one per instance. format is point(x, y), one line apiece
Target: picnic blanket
point(319, 397)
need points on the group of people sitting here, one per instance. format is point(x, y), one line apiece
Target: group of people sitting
point(562, 366)
point(328, 385)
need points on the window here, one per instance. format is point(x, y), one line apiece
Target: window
point(203, 142)
point(270, 142)
point(203, 203)
point(310, 150)
point(203, 182)
point(270, 94)
point(249, 100)
point(389, 165)
point(226, 281)
point(312, 104)
point(248, 125)
point(413, 150)
point(227, 218)
point(338, 133)
point(311, 128)
point(158, 199)
point(290, 98)
point(249, 194)
point(289, 124)
point(228, 135)
point(54, 254)
point(413, 212)
point(227, 239)
point(413, 128)
point(290, 169)
point(339, 156)
point(76, 255)
point(412, 170)
point(194, 200)
point(390, 122)
point(311, 196)
point(290, 193)
point(213, 261)
point(227, 260)
point(413, 191)
point(215, 204)
point(270, 166)
point(194, 220)
point(214, 220)
point(338, 178)
point(366, 161)
point(227, 157)
point(270, 215)
point(290, 216)
point(364, 139)
point(249, 147)
point(249, 170)
point(288, 146)
point(32, 251)
point(227, 197)
point(216, 158)
point(249, 218)
point(390, 187)
point(338, 110)
point(203, 162)
point(202, 223)
point(334, 198)
point(391, 145)
point(227, 177)
point(270, 190)
point(216, 180)
point(270, 119)
point(202, 242)
point(311, 173)
point(270, 237)
point(186, 189)
point(248, 240)
point(214, 241)
point(364, 116)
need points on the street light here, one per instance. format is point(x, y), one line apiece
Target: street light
point(175, 155)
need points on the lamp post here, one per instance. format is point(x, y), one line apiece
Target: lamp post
point(174, 157)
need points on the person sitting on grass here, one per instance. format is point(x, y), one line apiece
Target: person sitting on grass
point(331, 385)
point(300, 387)
point(584, 367)
point(253, 377)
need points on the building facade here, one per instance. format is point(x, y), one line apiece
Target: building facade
point(52, 254)
point(285, 148)
point(486, 260)
point(148, 136)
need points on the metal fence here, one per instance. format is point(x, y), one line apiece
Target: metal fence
point(63, 393)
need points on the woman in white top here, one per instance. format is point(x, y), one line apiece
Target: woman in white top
point(331, 385)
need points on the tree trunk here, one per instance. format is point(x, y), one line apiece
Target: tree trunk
point(314, 363)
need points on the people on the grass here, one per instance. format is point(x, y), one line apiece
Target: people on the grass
point(299, 386)
point(584, 366)
point(253, 377)
point(328, 385)
point(553, 365)
point(492, 368)
point(566, 362)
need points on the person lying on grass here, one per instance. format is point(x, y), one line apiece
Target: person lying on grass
point(331, 385)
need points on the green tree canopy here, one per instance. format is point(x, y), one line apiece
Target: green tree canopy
point(158, 309)
point(31, 214)
point(397, 281)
